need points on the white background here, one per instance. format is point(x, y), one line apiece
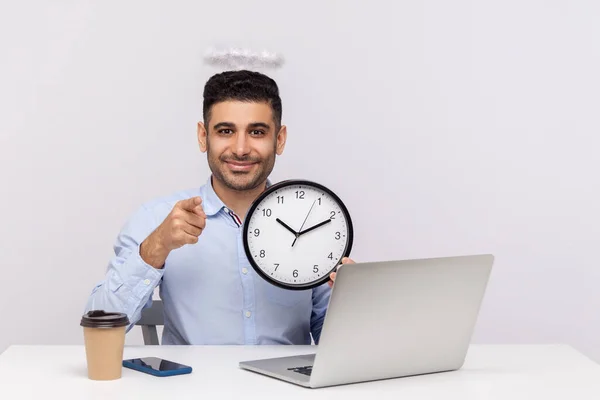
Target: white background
point(446, 127)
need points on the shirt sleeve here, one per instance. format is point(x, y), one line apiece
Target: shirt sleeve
point(129, 281)
point(320, 297)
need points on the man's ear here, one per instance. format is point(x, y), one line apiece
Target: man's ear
point(281, 138)
point(202, 137)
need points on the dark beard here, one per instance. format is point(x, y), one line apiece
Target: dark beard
point(241, 181)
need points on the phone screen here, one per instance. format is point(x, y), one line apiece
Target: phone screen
point(157, 364)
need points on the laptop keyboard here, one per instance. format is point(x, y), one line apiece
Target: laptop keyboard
point(302, 370)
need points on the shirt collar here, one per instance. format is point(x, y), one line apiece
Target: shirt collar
point(211, 203)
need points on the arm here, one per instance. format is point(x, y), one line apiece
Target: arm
point(129, 281)
point(320, 297)
point(140, 253)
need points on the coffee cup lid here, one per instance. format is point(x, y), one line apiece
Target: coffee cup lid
point(103, 319)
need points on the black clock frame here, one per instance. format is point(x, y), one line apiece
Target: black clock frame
point(279, 186)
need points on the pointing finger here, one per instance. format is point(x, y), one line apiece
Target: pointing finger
point(190, 204)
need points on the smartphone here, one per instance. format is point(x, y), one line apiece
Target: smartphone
point(157, 366)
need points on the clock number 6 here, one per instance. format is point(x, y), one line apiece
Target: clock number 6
point(295, 273)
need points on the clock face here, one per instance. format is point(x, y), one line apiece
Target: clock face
point(296, 233)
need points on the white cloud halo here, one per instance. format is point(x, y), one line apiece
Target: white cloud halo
point(239, 58)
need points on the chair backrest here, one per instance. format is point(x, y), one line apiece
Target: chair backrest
point(151, 318)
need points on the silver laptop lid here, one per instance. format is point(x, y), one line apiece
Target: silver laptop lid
point(399, 318)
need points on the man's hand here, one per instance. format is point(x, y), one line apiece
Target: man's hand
point(182, 226)
point(345, 260)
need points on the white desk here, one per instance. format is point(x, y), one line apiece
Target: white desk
point(491, 372)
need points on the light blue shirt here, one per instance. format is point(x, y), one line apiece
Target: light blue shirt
point(211, 293)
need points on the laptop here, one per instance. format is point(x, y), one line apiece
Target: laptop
point(391, 319)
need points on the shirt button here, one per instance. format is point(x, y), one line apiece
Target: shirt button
point(226, 209)
point(244, 270)
point(146, 281)
point(248, 314)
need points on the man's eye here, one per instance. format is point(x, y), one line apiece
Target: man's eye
point(225, 131)
point(258, 132)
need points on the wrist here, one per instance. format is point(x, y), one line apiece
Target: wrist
point(153, 252)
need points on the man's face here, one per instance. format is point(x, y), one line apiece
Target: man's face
point(242, 142)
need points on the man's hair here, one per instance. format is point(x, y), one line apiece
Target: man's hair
point(242, 85)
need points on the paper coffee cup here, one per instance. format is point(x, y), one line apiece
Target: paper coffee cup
point(104, 337)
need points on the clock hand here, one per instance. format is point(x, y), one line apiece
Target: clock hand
point(314, 227)
point(287, 226)
point(311, 207)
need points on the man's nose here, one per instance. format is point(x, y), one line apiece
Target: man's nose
point(242, 145)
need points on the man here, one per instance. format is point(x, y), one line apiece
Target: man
point(190, 243)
